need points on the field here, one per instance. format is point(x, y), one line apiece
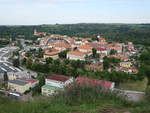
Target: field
point(134, 85)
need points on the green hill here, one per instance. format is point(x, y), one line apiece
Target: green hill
point(76, 100)
point(138, 33)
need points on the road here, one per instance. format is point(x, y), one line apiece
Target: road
point(132, 95)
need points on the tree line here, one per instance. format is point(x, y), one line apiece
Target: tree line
point(137, 33)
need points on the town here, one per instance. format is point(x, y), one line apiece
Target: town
point(74, 56)
point(82, 60)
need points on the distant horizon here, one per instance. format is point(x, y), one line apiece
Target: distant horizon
point(67, 24)
point(37, 12)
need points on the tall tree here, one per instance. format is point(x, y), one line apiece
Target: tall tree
point(94, 51)
point(5, 77)
point(16, 62)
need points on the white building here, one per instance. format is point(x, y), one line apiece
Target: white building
point(85, 48)
point(76, 55)
point(55, 83)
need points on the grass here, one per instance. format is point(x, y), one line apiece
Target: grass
point(76, 100)
point(134, 85)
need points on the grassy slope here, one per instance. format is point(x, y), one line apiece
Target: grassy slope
point(76, 100)
point(134, 85)
point(46, 106)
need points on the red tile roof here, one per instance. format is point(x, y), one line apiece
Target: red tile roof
point(102, 38)
point(61, 78)
point(101, 49)
point(103, 54)
point(52, 53)
point(88, 81)
point(87, 47)
point(135, 70)
point(28, 80)
point(62, 45)
point(77, 53)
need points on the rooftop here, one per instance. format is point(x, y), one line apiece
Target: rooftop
point(102, 38)
point(28, 80)
point(101, 49)
point(87, 47)
point(18, 82)
point(89, 81)
point(6, 67)
point(61, 78)
point(77, 53)
point(52, 53)
point(51, 87)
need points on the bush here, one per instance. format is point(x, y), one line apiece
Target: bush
point(85, 94)
point(148, 92)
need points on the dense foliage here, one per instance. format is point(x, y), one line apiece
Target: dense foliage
point(3, 43)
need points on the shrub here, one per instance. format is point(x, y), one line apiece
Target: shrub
point(81, 94)
point(147, 92)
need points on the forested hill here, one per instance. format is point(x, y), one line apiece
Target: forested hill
point(138, 33)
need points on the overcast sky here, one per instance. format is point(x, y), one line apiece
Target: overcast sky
point(27, 12)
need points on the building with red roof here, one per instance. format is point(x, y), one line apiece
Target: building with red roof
point(76, 55)
point(102, 39)
point(102, 50)
point(54, 83)
point(61, 47)
point(52, 54)
point(85, 48)
point(60, 78)
point(94, 82)
point(33, 82)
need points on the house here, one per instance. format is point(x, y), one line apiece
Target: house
point(85, 48)
point(94, 67)
point(76, 55)
point(102, 50)
point(48, 90)
point(39, 33)
point(18, 85)
point(22, 85)
point(125, 64)
point(53, 55)
point(102, 39)
point(54, 83)
point(94, 82)
point(103, 55)
point(130, 46)
point(117, 48)
point(61, 47)
point(11, 71)
point(33, 82)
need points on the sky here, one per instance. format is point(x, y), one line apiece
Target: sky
point(36, 12)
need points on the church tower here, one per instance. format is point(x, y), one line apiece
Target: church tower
point(35, 32)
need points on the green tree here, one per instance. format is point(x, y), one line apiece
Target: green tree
point(5, 77)
point(29, 63)
point(63, 54)
point(23, 62)
point(94, 52)
point(49, 60)
point(146, 70)
point(118, 77)
point(113, 52)
point(106, 63)
point(40, 53)
point(16, 62)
